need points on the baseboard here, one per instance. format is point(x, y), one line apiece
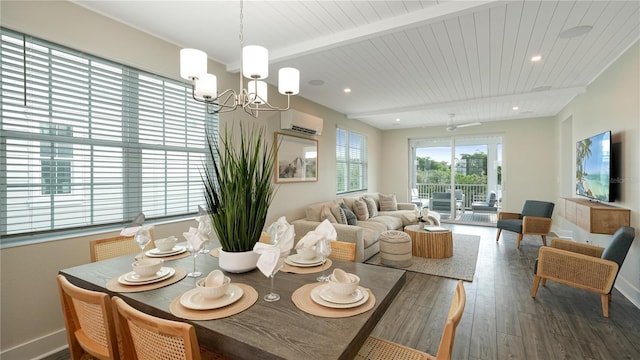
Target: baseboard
point(628, 290)
point(37, 348)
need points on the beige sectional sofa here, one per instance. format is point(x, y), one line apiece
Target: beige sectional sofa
point(366, 231)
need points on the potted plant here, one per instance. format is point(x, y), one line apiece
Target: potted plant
point(239, 190)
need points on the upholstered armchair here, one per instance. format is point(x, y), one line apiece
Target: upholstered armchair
point(584, 266)
point(535, 219)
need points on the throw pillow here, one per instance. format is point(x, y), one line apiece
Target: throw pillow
point(327, 215)
point(351, 217)
point(361, 210)
point(388, 202)
point(338, 213)
point(371, 206)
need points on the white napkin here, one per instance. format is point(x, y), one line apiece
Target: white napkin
point(324, 231)
point(269, 257)
point(204, 222)
point(135, 226)
point(282, 235)
point(195, 238)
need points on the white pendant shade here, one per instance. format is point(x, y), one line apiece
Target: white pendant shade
point(255, 62)
point(288, 81)
point(258, 88)
point(193, 63)
point(207, 86)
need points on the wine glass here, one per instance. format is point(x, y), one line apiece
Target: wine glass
point(195, 251)
point(204, 227)
point(142, 238)
point(271, 296)
point(323, 249)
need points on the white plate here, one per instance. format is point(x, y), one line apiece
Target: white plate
point(178, 249)
point(295, 260)
point(131, 278)
point(192, 299)
point(326, 294)
point(315, 296)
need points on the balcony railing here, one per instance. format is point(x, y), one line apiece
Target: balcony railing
point(472, 192)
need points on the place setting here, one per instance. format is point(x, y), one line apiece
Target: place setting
point(168, 249)
point(214, 297)
point(146, 274)
point(312, 252)
point(339, 296)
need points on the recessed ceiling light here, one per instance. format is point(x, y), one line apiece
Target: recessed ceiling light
point(316, 82)
point(347, 90)
point(397, 119)
point(536, 58)
point(575, 32)
point(515, 108)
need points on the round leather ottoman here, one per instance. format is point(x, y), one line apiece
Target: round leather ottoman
point(395, 249)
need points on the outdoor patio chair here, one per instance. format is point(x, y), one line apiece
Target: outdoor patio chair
point(489, 205)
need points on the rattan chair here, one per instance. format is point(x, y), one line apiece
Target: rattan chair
point(144, 336)
point(584, 266)
point(88, 319)
point(102, 249)
point(535, 219)
point(376, 348)
point(341, 250)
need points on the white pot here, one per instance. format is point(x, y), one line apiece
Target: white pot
point(238, 262)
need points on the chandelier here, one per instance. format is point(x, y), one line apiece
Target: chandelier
point(254, 65)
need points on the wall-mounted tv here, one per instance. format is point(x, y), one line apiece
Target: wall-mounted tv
point(594, 166)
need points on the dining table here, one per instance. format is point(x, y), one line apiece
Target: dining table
point(265, 330)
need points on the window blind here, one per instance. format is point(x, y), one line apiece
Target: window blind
point(351, 161)
point(85, 141)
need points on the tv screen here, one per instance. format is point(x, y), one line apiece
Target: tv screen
point(593, 167)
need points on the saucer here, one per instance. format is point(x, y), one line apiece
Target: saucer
point(131, 278)
point(192, 299)
point(296, 260)
point(315, 296)
point(178, 249)
point(326, 294)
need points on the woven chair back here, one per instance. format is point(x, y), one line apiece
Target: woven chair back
point(341, 250)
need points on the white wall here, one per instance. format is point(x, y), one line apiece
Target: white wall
point(30, 316)
point(612, 102)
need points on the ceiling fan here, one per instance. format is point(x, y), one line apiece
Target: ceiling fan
point(453, 127)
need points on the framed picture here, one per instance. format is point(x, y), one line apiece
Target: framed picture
point(296, 158)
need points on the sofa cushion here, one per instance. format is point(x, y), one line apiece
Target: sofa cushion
point(408, 217)
point(388, 202)
point(390, 222)
point(369, 236)
point(328, 215)
point(360, 209)
point(339, 214)
point(314, 212)
point(371, 205)
point(351, 217)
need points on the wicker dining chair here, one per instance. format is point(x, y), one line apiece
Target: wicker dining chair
point(376, 348)
point(107, 248)
point(88, 319)
point(341, 250)
point(143, 336)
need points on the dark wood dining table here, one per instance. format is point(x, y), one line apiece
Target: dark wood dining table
point(267, 330)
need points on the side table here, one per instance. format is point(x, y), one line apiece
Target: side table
point(430, 244)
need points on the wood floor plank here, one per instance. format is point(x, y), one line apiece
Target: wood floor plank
point(510, 347)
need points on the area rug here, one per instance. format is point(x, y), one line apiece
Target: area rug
point(462, 265)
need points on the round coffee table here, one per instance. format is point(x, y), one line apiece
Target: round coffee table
point(430, 244)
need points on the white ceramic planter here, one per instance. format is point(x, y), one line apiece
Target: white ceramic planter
point(238, 262)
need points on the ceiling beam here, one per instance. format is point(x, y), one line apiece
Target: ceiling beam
point(411, 20)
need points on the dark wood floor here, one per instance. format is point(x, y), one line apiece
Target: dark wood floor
point(501, 320)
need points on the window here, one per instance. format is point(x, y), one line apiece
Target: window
point(351, 161)
point(86, 142)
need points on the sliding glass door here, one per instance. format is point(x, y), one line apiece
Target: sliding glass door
point(459, 177)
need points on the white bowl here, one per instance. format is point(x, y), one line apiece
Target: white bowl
point(147, 267)
point(213, 292)
point(166, 244)
point(344, 289)
point(307, 253)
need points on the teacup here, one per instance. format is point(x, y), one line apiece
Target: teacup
point(147, 267)
point(213, 292)
point(344, 289)
point(166, 244)
point(307, 253)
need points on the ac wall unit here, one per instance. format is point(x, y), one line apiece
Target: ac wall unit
point(301, 122)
